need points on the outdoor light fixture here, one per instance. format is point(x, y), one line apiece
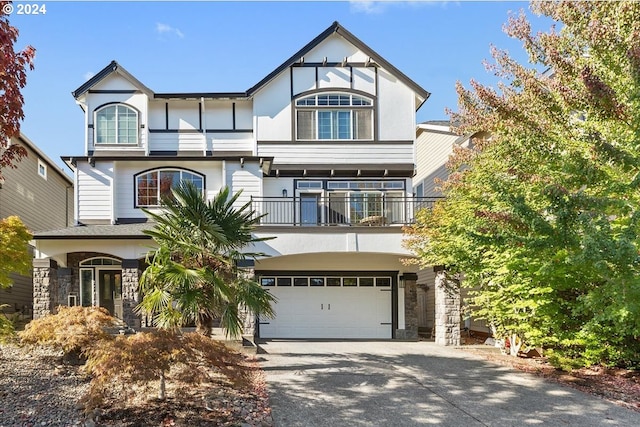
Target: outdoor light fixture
point(284, 192)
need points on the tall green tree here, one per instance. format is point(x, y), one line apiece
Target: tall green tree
point(193, 275)
point(543, 208)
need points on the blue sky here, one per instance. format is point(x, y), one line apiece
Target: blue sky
point(229, 46)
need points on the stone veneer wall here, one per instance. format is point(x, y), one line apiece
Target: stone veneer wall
point(45, 287)
point(410, 331)
point(248, 317)
point(447, 309)
point(130, 297)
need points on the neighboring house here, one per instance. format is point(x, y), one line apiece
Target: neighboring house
point(41, 194)
point(434, 145)
point(324, 145)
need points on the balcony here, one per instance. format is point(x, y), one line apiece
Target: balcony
point(366, 209)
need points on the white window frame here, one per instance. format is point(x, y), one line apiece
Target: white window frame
point(351, 108)
point(42, 169)
point(115, 143)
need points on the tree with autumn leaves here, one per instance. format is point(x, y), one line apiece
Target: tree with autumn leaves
point(13, 78)
point(542, 209)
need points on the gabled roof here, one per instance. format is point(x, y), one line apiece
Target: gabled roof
point(334, 28)
point(340, 30)
point(113, 67)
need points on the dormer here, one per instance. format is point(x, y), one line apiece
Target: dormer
point(116, 112)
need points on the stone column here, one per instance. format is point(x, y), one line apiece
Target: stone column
point(410, 331)
point(130, 295)
point(45, 287)
point(447, 295)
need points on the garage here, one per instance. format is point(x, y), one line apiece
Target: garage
point(332, 306)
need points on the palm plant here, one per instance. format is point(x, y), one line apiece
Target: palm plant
point(193, 275)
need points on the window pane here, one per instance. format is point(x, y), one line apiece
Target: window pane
point(300, 281)
point(168, 180)
point(148, 189)
point(350, 281)
point(343, 124)
point(106, 125)
point(86, 287)
point(317, 281)
point(324, 125)
point(284, 281)
point(268, 281)
point(306, 125)
point(334, 281)
point(366, 281)
point(383, 281)
point(362, 125)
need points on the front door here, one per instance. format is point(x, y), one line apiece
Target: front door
point(110, 289)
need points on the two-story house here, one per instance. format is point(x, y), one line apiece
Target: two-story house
point(324, 145)
point(41, 194)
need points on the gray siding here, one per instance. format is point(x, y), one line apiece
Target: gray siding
point(19, 296)
point(41, 204)
point(433, 149)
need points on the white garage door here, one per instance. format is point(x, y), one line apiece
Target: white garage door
point(329, 307)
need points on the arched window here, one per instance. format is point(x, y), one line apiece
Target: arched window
point(116, 124)
point(334, 116)
point(153, 185)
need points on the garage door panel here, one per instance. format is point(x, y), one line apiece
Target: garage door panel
point(329, 312)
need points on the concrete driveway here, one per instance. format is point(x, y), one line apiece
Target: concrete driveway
point(415, 384)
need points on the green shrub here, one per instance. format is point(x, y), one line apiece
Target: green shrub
point(7, 329)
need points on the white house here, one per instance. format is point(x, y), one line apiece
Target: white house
point(324, 145)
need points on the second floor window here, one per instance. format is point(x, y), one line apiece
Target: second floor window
point(116, 124)
point(334, 116)
point(152, 186)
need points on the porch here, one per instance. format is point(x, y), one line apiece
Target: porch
point(365, 209)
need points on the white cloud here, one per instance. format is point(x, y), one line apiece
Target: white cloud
point(168, 29)
point(88, 75)
point(377, 7)
point(367, 6)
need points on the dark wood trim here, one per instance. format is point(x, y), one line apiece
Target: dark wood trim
point(317, 79)
point(351, 77)
point(200, 116)
point(233, 115)
point(333, 64)
point(198, 95)
point(200, 130)
point(166, 116)
point(95, 237)
point(394, 305)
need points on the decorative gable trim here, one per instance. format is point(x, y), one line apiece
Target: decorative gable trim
point(340, 30)
point(113, 67)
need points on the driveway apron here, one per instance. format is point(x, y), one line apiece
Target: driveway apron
point(386, 383)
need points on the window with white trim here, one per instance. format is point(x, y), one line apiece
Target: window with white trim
point(334, 116)
point(152, 186)
point(116, 124)
point(42, 169)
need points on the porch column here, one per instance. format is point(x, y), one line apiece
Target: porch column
point(447, 321)
point(410, 331)
point(45, 287)
point(130, 296)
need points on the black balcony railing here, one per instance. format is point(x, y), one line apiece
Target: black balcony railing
point(367, 209)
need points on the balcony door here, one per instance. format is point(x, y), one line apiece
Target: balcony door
point(310, 213)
